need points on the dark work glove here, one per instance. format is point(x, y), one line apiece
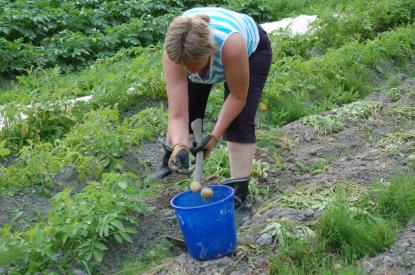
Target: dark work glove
point(179, 159)
point(207, 145)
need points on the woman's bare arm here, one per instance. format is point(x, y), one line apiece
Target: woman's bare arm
point(176, 83)
point(235, 61)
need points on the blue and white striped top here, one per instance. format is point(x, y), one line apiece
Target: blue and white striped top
point(223, 23)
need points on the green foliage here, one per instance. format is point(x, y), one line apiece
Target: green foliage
point(149, 123)
point(217, 165)
point(259, 10)
point(353, 233)
point(35, 165)
point(100, 137)
point(296, 87)
point(73, 33)
point(397, 202)
point(17, 56)
point(4, 152)
point(77, 228)
point(363, 20)
point(122, 80)
point(140, 79)
point(394, 94)
point(37, 122)
point(79, 224)
point(30, 250)
point(352, 226)
point(324, 124)
point(302, 257)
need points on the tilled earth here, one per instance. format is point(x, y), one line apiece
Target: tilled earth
point(358, 154)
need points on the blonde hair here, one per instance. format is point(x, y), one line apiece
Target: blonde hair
point(188, 39)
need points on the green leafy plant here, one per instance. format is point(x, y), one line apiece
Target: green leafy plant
point(394, 94)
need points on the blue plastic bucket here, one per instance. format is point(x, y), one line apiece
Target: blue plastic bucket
point(208, 226)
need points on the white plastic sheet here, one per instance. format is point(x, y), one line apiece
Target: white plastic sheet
point(292, 26)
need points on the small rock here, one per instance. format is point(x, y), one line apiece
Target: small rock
point(168, 213)
point(368, 266)
point(404, 244)
point(413, 228)
point(388, 261)
point(264, 240)
point(234, 273)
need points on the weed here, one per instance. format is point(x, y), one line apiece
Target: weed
point(149, 259)
point(394, 94)
point(397, 201)
point(324, 124)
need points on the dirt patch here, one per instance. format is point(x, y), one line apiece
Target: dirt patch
point(21, 211)
point(399, 259)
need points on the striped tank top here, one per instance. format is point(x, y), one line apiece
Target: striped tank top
point(223, 23)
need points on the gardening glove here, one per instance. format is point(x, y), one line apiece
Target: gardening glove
point(179, 159)
point(207, 145)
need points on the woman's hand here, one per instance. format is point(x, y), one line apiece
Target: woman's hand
point(207, 145)
point(179, 159)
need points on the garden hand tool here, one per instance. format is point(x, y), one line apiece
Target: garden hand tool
point(198, 173)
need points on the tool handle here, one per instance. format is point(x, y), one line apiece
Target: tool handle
point(198, 133)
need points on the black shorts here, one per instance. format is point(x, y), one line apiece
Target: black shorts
point(242, 129)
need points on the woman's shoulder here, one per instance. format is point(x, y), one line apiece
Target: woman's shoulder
point(233, 47)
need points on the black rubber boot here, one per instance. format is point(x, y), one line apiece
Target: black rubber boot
point(243, 211)
point(164, 169)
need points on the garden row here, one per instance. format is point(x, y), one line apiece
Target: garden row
point(72, 45)
point(71, 34)
point(295, 88)
point(96, 143)
point(79, 225)
point(355, 22)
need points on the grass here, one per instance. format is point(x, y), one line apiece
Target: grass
point(149, 259)
point(350, 229)
point(397, 202)
point(352, 233)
